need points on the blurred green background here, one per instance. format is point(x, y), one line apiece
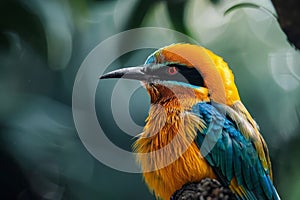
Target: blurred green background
point(43, 43)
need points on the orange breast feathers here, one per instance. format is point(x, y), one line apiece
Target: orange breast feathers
point(167, 154)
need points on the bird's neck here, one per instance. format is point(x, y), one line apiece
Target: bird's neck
point(168, 114)
point(169, 132)
point(172, 97)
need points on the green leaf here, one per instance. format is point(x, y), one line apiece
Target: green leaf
point(248, 5)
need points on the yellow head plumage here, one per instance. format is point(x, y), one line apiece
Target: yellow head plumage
point(217, 76)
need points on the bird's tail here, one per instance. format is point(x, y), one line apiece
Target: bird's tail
point(269, 193)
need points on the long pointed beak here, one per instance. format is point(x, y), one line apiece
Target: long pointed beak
point(135, 73)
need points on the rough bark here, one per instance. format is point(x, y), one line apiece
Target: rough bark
point(206, 189)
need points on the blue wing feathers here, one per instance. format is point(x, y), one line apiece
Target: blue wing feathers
point(237, 163)
point(232, 155)
point(228, 157)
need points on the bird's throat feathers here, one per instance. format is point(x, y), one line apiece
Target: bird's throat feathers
point(168, 113)
point(175, 96)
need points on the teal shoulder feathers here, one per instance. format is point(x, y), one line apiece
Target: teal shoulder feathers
point(232, 156)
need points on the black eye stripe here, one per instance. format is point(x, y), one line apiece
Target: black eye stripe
point(185, 74)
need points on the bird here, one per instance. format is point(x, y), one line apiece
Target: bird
point(197, 125)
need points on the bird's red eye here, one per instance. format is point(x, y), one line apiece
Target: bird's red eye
point(172, 70)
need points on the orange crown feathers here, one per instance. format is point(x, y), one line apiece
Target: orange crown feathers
point(217, 76)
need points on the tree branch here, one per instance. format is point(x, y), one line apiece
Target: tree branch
point(206, 189)
point(289, 19)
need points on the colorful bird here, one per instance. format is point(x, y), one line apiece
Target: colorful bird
point(197, 126)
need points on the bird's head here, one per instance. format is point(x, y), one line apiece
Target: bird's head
point(183, 71)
